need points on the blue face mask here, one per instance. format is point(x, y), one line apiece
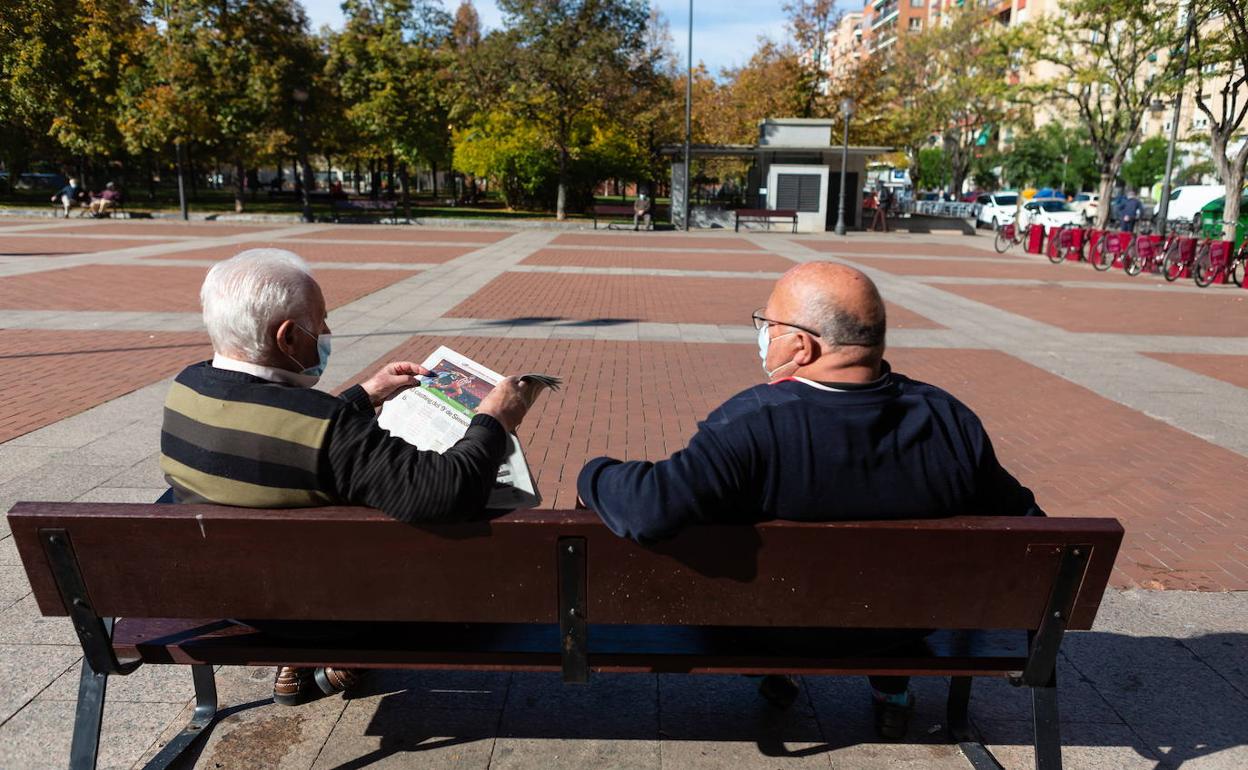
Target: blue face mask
point(322, 356)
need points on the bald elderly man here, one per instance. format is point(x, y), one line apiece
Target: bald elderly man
point(834, 434)
point(247, 428)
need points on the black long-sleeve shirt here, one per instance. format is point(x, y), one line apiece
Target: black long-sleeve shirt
point(793, 450)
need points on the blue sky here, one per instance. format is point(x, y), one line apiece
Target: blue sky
point(724, 31)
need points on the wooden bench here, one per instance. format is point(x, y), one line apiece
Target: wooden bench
point(516, 594)
point(365, 206)
point(615, 212)
point(766, 215)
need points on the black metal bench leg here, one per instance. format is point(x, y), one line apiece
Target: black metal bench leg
point(88, 718)
point(1047, 734)
point(960, 729)
point(204, 715)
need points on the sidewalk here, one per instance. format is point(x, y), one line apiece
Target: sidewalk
point(1106, 395)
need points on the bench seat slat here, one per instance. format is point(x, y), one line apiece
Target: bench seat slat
point(537, 648)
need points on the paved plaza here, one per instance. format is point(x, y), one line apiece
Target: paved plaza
point(1107, 395)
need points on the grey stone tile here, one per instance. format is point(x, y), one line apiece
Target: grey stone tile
point(38, 737)
point(13, 584)
point(74, 432)
point(57, 482)
point(485, 690)
point(8, 552)
point(22, 624)
point(1091, 746)
point(397, 731)
point(25, 670)
point(144, 474)
point(16, 461)
point(683, 693)
point(843, 707)
point(716, 755)
point(147, 684)
point(121, 495)
point(551, 753)
point(252, 731)
point(758, 722)
point(611, 706)
point(1078, 700)
point(125, 446)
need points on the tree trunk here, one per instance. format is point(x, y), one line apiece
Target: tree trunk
point(308, 182)
point(189, 170)
point(433, 173)
point(1231, 172)
point(1105, 204)
point(561, 196)
point(374, 179)
point(151, 176)
point(240, 186)
point(407, 202)
point(390, 177)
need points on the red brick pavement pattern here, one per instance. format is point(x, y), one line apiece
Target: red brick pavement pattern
point(1078, 451)
point(978, 268)
point(1084, 455)
point(415, 253)
point(47, 376)
point(658, 299)
point(157, 289)
point(653, 241)
point(163, 229)
point(865, 245)
point(406, 233)
point(29, 246)
point(1215, 313)
point(1232, 369)
point(669, 260)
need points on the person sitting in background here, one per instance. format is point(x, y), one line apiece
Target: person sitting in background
point(833, 435)
point(641, 211)
point(67, 196)
point(106, 201)
point(247, 429)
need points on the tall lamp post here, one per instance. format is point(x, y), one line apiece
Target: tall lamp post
point(847, 109)
point(1163, 210)
point(688, 114)
point(301, 98)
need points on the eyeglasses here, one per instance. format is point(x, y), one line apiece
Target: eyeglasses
point(760, 321)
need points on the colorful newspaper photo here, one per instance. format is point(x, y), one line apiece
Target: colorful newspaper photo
point(436, 415)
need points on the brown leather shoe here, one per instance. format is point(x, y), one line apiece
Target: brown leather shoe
point(335, 680)
point(292, 685)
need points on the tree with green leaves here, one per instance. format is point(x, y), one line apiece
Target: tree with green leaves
point(565, 59)
point(1109, 64)
point(1219, 55)
point(1147, 163)
point(1054, 155)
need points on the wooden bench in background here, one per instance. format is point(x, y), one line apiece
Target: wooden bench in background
point(766, 215)
point(365, 207)
point(528, 584)
point(619, 214)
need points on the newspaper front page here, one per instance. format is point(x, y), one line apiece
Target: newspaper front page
point(435, 415)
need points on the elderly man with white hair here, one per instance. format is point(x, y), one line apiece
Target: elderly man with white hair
point(248, 429)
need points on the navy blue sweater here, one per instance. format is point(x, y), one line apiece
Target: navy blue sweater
point(901, 449)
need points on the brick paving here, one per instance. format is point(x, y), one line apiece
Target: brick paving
point(658, 260)
point(146, 287)
point(417, 253)
point(47, 376)
point(1231, 369)
point(1217, 313)
point(1085, 403)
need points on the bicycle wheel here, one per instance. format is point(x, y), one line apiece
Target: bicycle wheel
point(1132, 263)
point(1001, 243)
point(1202, 271)
point(1172, 267)
point(1104, 259)
point(1238, 268)
point(1057, 255)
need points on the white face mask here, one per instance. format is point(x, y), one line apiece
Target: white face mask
point(764, 344)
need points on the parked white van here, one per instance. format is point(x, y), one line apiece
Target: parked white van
point(1187, 201)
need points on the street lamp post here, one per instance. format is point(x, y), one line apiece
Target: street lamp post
point(688, 115)
point(847, 108)
point(301, 98)
point(1163, 210)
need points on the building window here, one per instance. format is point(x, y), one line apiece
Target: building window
point(798, 192)
point(916, 3)
point(915, 23)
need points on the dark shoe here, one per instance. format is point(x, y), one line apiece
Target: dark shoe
point(892, 719)
point(335, 680)
point(779, 690)
point(292, 686)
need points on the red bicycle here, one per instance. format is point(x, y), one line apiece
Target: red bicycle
point(1143, 254)
point(1101, 257)
point(1204, 272)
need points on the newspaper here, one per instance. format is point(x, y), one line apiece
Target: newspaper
point(435, 415)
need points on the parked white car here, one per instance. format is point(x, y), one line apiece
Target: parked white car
point(1087, 203)
point(1050, 212)
point(996, 209)
point(1187, 201)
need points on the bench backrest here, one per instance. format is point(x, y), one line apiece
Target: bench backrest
point(199, 561)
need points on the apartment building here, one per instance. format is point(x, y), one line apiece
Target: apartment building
point(883, 21)
point(845, 47)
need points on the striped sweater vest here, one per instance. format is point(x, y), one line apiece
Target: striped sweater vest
point(235, 439)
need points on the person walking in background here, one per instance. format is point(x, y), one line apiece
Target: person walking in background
point(1130, 213)
point(67, 196)
point(879, 221)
